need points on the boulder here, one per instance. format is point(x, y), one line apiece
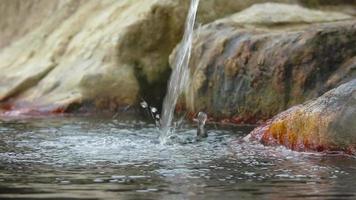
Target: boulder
point(253, 65)
point(72, 58)
point(324, 124)
point(57, 56)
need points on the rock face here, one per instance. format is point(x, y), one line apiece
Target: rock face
point(58, 55)
point(19, 17)
point(324, 124)
point(71, 58)
point(252, 71)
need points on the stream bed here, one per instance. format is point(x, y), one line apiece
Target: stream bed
point(106, 158)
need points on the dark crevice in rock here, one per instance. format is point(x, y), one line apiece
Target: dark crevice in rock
point(152, 92)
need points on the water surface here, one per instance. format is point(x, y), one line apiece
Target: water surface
point(104, 158)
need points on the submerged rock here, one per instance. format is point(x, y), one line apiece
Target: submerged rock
point(324, 124)
point(251, 71)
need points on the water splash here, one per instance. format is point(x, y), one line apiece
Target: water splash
point(180, 75)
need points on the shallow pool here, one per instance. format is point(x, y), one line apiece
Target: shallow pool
point(105, 158)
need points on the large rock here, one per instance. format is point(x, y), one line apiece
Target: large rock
point(59, 55)
point(73, 58)
point(324, 124)
point(251, 71)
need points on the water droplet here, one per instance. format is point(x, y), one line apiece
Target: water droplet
point(144, 104)
point(153, 109)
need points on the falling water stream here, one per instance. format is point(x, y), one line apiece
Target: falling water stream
point(180, 75)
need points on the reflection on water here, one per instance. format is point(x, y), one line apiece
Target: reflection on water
point(77, 158)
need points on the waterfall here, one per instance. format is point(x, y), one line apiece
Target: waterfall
point(180, 75)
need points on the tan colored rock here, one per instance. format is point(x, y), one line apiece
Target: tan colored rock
point(276, 13)
point(81, 57)
point(18, 17)
point(104, 53)
point(210, 10)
